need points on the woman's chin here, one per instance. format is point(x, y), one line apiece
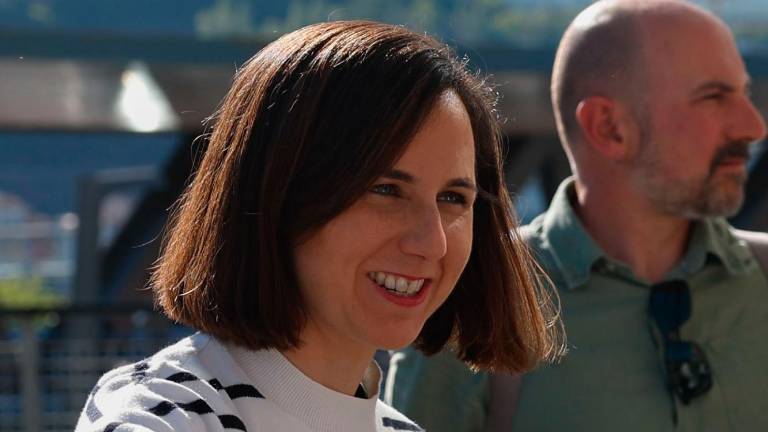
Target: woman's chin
point(395, 340)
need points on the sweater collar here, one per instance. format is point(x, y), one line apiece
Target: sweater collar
point(316, 405)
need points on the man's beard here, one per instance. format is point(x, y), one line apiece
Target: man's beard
point(713, 195)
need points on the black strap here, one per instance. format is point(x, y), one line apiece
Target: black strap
point(504, 393)
point(758, 243)
point(360, 393)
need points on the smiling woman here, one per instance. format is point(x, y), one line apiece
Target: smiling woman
point(373, 275)
point(350, 199)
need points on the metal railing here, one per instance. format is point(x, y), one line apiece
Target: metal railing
point(48, 365)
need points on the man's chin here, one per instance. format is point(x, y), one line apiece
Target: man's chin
point(730, 194)
point(724, 202)
point(721, 195)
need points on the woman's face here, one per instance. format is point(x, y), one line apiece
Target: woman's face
point(372, 275)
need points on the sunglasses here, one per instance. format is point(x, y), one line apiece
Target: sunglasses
point(688, 373)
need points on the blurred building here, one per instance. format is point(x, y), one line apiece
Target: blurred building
point(95, 86)
point(100, 105)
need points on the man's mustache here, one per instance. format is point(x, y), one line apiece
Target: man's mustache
point(734, 149)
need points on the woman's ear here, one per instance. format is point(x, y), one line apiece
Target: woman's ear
point(602, 122)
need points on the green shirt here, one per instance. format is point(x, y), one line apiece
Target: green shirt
point(612, 378)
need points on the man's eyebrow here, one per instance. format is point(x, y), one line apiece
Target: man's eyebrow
point(462, 182)
point(722, 86)
point(714, 85)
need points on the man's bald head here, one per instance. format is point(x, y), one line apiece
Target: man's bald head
point(603, 53)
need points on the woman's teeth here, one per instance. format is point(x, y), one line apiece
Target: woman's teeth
point(396, 284)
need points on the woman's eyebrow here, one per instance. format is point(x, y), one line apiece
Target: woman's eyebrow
point(462, 182)
point(396, 174)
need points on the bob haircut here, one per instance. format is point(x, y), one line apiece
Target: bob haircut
point(311, 121)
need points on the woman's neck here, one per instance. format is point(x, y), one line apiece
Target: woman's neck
point(326, 360)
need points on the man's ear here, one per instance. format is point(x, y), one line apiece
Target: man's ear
point(601, 121)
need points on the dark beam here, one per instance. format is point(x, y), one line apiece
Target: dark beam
point(754, 214)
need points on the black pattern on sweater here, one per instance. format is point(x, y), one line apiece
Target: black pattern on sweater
point(399, 424)
point(163, 408)
point(140, 371)
point(199, 407)
point(185, 389)
point(112, 426)
point(234, 391)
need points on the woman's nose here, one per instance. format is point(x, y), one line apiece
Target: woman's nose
point(424, 234)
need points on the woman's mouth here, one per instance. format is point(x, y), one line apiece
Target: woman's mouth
point(396, 284)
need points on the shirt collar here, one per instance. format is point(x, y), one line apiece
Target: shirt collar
point(569, 245)
point(713, 238)
point(574, 252)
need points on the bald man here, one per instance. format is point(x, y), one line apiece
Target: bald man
point(664, 304)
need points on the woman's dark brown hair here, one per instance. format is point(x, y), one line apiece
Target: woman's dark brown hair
point(311, 121)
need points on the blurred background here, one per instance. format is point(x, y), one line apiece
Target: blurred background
point(100, 104)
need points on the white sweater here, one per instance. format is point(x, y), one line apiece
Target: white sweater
point(201, 384)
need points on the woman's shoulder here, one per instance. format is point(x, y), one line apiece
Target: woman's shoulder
point(176, 389)
point(389, 419)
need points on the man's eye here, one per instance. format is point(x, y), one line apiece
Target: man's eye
point(714, 97)
point(386, 189)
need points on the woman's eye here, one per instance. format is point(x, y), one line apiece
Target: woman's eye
point(386, 189)
point(453, 198)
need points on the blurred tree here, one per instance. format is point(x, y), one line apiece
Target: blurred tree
point(24, 293)
point(28, 292)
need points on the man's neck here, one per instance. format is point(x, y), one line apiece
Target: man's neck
point(632, 231)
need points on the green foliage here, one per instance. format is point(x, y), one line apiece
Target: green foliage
point(24, 293)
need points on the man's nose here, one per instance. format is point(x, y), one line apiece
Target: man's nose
point(424, 234)
point(750, 124)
